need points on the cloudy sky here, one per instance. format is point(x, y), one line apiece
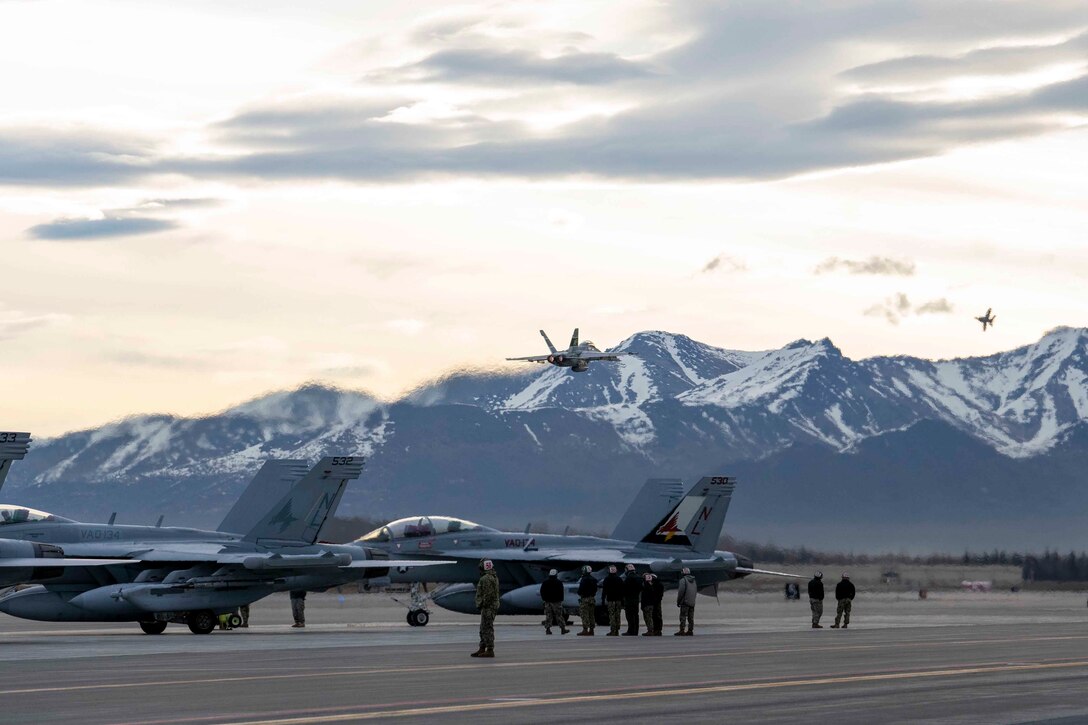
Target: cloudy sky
point(203, 201)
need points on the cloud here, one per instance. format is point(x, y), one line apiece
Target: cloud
point(872, 265)
point(131, 221)
point(726, 263)
point(895, 308)
point(992, 61)
point(14, 323)
point(76, 156)
point(107, 227)
point(746, 91)
point(488, 65)
point(934, 307)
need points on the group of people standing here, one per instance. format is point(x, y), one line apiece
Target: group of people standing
point(844, 596)
point(628, 595)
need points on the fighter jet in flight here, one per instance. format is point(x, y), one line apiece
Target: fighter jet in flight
point(664, 541)
point(155, 575)
point(577, 357)
point(987, 319)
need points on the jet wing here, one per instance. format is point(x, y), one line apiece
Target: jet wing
point(531, 358)
point(746, 570)
point(612, 356)
point(258, 561)
point(51, 563)
point(574, 556)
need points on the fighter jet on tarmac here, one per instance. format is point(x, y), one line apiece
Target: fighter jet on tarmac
point(577, 357)
point(987, 319)
point(684, 535)
point(155, 575)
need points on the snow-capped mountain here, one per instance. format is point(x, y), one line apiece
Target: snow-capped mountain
point(543, 439)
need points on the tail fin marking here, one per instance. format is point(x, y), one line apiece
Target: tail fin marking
point(303, 511)
point(697, 520)
point(268, 487)
point(551, 347)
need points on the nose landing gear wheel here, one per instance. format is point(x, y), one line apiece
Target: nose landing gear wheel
point(153, 627)
point(202, 622)
point(422, 617)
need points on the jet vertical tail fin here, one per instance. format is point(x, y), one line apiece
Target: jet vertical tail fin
point(13, 446)
point(574, 338)
point(267, 488)
point(551, 347)
point(302, 512)
point(696, 521)
point(656, 497)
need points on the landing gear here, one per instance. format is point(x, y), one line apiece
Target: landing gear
point(419, 617)
point(153, 627)
point(234, 621)
point(201, 622)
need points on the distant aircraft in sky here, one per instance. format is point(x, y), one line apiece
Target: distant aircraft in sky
point(987, 319)
point(576, 357)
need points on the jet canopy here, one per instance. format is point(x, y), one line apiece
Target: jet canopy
point(22, 515)
point(417, 526)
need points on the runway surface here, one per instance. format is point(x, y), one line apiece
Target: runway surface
point(993, 658)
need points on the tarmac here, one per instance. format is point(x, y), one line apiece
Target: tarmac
point(953, 658)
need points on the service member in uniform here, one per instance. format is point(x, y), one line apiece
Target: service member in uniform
point(632, 591)
point(487, 601)
point(844, 592)
point(613, 599)
point(685, 599)
point(816, 598)
point(298, 607)
point(652, 593)
point(551, 593)
point(587, 601)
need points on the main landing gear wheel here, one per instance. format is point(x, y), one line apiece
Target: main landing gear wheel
point(419, 618)
point(202, 622)
point(153, 627)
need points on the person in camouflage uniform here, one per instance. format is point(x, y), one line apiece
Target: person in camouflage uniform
point(487, 601)
point(612, 587)
point(587, 601)
point(552, 594)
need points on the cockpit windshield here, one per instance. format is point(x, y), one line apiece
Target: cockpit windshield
point(589, 346)
point(22, 515)
point(418, 526)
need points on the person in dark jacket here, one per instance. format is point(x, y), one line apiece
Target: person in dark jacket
point(551, 592)
point(487, 603)
point(844, 592)
point(653, 591)
point(816, 598)
point(613, 599)
point(632, 592)
point(298, 607)
point(587, 601)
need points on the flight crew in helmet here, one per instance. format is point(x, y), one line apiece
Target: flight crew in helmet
point(587, 601)
point(613, 599)
point(685, 599)
point(816, 598)
point(487, 601)
point(653, 591)
point(632, 592)
point(551, 593)
point(844, 593)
